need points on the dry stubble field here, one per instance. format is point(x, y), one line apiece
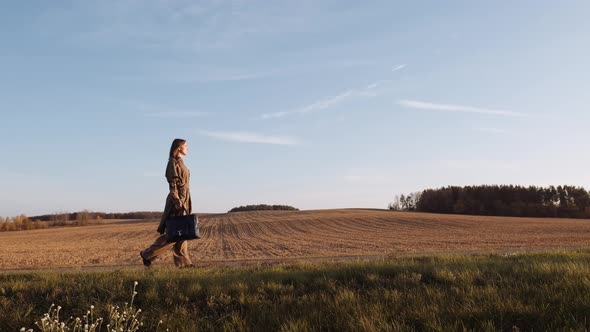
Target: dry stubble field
point(271, 236)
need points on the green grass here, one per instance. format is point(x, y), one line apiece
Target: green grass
point(543, 291)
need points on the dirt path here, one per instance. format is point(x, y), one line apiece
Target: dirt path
point(275, 261)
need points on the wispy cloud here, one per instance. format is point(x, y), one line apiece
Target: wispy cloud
point(185, 28)
point(157, 111)
point(176, 114)
point(482, 164)
point(172, 25)
point(490, 130)
point(423, 105)
point(246, 137)
point(398, 67)
point(188, 26)
point(369, 91)
point(189, 72)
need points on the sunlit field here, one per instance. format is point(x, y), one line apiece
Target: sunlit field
point(279, 236)
point(350, 269)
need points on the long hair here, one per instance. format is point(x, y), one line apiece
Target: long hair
point(175, 145)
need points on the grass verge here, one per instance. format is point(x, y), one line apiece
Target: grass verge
point(526, 292)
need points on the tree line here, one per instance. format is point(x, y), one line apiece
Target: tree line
point(23, 223)
point(260, 207)
point(97, 215)
point(505, 200)
point(81, 218)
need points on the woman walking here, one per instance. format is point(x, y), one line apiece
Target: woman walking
point(178, 203)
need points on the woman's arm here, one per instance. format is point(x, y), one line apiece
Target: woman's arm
point(174, 183)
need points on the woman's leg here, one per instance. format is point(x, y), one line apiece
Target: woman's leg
point(181, 257)
point(157, 248)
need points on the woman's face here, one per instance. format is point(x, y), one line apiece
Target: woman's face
point(183, 150)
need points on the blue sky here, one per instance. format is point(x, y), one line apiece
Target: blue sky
point(315, 104)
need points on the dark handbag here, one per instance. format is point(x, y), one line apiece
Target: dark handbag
point(182, 228)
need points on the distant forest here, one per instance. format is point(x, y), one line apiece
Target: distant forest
point(82, 218)
point(96, 215)
point(261, 207)
point(506, 200)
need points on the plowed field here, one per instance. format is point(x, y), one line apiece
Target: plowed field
point(301, 235)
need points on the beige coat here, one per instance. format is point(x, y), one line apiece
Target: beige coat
point(178, 201)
